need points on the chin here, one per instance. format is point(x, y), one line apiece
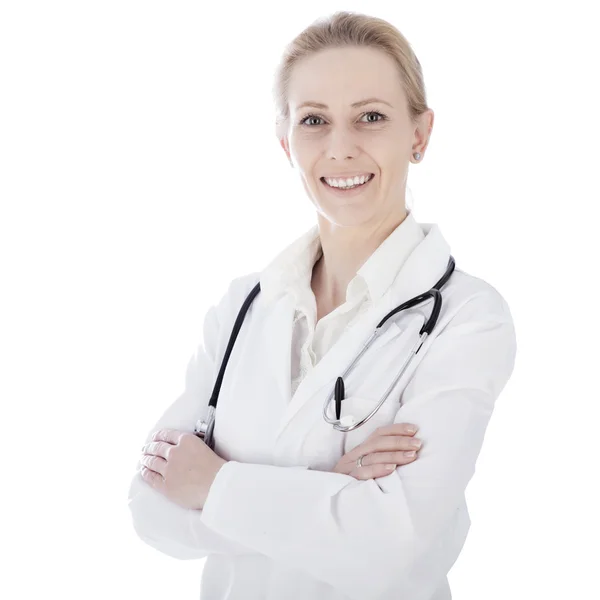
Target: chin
point(347, 215)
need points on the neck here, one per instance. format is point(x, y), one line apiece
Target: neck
point(345, 251)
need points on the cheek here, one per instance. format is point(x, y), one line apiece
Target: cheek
point(308, 146)
point(313, 193)
point(304, 144)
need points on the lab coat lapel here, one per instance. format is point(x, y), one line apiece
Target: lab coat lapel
point(421, 271)
point(277, 342)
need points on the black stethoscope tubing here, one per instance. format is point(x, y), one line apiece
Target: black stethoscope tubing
point(205, 428)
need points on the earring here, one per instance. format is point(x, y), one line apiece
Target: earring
point(417, 155)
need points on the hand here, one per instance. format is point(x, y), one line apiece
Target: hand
point(180, 466)
point(386, 445)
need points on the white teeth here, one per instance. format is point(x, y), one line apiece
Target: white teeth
point(349, 182)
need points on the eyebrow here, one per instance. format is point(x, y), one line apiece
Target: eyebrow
point(355, 105)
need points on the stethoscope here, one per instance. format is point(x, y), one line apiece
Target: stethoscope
point(205, 427)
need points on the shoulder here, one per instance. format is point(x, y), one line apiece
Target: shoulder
point(468, 297)
point(237, 291)
point(475, 314)
point(220, 317)
point(229, 301)
point(474, 340)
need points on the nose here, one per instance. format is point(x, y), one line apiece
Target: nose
point(341, 143)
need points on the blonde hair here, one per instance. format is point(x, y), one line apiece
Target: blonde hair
point(343, 29)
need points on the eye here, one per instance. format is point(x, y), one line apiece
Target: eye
point(374, 112)
point(303, 121)
point(370, 112)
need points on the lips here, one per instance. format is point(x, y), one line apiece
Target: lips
point(370, 177)
point(345, 176)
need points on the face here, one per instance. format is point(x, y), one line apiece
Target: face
point(341, 140)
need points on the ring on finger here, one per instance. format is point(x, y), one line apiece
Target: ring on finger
point(359, 461)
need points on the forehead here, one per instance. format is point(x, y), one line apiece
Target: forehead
point(340, 76)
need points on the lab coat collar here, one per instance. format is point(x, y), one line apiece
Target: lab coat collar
point(380, 269)
point(296, 262)
point(423, 268)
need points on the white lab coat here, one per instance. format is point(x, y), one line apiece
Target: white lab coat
point(277, 523)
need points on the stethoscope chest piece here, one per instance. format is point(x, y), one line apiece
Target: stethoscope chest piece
point(204, 428)
point(348, 423)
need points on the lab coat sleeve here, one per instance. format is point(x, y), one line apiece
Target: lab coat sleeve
point(159, 522)
point(382, 538)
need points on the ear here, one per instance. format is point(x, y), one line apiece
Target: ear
point(423, 132)
point(284, 144)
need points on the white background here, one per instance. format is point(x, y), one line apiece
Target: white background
point(140, 173)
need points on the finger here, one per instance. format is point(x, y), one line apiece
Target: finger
point(154, 479)
point(396, 429)
point(372, 471)
point(398, 458)
point(395, 443)
point(401, 457)
point(381, 444)
point(154, 463)
point(167, 435)
point(158, 449)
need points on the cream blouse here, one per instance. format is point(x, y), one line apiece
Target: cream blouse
point(291, 272)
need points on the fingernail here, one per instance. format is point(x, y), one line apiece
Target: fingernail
point(390, 467)
point(411, 429)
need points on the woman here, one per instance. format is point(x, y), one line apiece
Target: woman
point(286, 506)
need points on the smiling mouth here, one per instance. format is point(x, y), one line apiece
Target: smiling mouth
point(351, 187)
